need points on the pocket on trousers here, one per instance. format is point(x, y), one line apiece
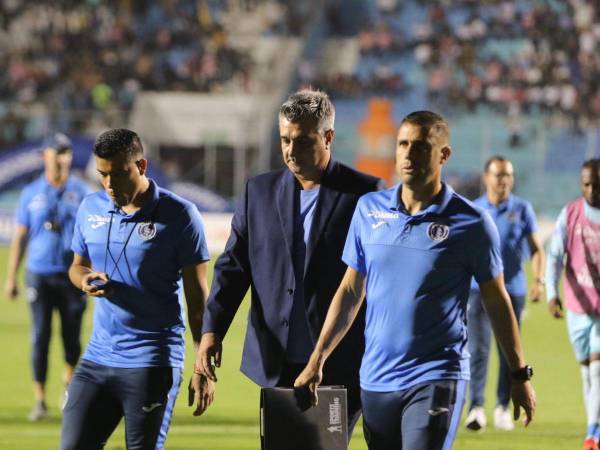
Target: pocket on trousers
point(73, 395)
point(160, 383)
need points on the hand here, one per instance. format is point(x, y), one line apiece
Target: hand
point(523, 396)
point(11, 289)
point(210, 348)
point(311, 377)
point(555, 308)
point(535, 291)
point(201, 391)
point(95, 291)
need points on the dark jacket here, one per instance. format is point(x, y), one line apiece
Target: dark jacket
point(258, 255)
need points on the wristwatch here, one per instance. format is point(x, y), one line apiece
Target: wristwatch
point(523, 374)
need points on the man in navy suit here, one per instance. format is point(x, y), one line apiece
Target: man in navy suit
point(286, 242)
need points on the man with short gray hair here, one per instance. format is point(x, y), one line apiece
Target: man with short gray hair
point(309, 105)
point(286, 242)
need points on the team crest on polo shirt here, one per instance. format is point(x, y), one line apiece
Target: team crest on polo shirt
point(146, 231)
point(71, 198)
point(438, 231)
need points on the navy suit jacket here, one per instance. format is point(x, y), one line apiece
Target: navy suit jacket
point(258, 255)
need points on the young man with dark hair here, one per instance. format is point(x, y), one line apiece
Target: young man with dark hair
point(45, 219)
point(286, 240)
point(413, 250)
point(134, 243)
point(575, 247)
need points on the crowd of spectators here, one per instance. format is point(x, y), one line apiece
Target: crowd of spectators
point(66, 64)
point(382, 81)
point(553, 62)
point(508, 54)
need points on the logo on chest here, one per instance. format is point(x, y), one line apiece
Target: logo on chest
point(38, 202)
point(382, 217)
point(438, 232)
point(146, 231)
point(97, 221)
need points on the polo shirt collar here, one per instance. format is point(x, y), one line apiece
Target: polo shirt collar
point(438, 206)
point(47, 184)
point(147, 208)
point(502, 206)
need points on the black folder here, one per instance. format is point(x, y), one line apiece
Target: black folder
point(289, 422)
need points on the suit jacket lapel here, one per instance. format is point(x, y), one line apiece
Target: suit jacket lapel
point(285, 209)
point(328, 198)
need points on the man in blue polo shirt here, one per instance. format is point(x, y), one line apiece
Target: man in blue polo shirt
point(44, 223)
point(413, 250)
point(134, 243)
point(517, 226)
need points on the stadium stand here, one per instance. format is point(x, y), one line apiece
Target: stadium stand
point(78, 66)
point(515, 78)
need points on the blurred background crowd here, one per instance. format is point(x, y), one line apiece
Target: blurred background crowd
point(201, 81)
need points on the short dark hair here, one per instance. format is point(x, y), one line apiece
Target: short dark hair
point(494, 158)
point(592, 164)
point(308, 104)
point(429, 120)
point(118, 141)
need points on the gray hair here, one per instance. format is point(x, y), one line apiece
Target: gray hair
point(309, 105)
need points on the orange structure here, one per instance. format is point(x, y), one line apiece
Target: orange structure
point(378, 134)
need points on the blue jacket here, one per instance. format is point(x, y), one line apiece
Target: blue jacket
point(258, 255)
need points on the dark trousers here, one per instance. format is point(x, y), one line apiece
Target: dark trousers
point(425, 416)
point(480, 332)
point(100, 396)
point(290, 372)
point(45, 294)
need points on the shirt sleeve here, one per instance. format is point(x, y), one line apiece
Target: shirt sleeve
point(529, 221)
point(78, 244)
point(354, 255)
point(485, 256)
point(22, 213)
point(191, 245)
point(555, 255)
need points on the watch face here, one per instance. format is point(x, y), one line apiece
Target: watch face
point(523, 374)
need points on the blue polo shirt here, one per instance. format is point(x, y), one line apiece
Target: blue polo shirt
point(142, 323)
point(515, 220)
point(418, 271)
point(40, 204)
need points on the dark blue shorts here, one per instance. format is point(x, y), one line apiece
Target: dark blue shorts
point(99, 396)
point(425, 416)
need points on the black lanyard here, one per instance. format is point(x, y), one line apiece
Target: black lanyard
point(51, 223)
point(108, 252)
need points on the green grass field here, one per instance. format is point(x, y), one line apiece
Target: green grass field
point(232, 422)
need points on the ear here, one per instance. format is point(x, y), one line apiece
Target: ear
point(446, 152)
point(329, 136)
point(142, 165)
